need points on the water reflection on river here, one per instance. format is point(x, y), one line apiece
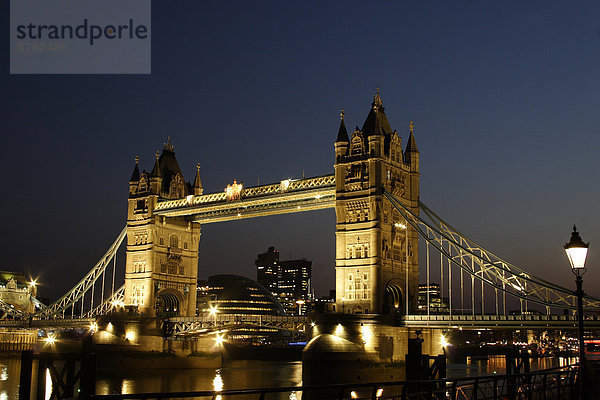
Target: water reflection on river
point(497, 365)
point(235, 375)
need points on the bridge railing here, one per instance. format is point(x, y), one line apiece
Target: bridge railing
point(541, 318)
point(555, 383)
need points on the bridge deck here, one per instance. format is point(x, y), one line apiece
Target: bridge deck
point(187, 325)
point(499, 321)
point(209, 324)
point(57, 323)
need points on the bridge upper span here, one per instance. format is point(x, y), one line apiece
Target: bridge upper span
point(237, 202)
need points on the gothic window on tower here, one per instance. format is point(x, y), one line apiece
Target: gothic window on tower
point(172, 269)
point(357, 145)
point(137, 294)
point(397, 253)
point(143, 185)
point(161, 241)
point(177, 187)
point(139, 267)
point(141, 205)
point(173, 242)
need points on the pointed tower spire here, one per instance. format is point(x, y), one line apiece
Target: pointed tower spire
point(411, 146)
point(411, 155)
point(135, 176)
point(377, 102)
point(342, 132)
point(376, 122)
point(197, 182)
point(156, 171)
point(168, 146)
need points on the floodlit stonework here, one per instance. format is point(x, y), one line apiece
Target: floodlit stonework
point(16, 292)
point(162, 253)
point(376, 249)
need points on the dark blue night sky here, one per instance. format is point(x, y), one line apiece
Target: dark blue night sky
point(504, 95)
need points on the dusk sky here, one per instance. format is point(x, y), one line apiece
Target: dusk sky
point(505, 97)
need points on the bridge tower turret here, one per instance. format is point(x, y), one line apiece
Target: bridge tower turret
point(162, 253)
point(376, 250)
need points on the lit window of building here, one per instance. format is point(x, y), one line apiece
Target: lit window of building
point(289, 281)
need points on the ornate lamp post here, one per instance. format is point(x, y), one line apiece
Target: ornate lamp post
point(576, 251)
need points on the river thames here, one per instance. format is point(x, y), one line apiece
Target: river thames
point(241, 375)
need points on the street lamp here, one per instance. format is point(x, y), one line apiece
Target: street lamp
point(300, 303)
point(576, 251)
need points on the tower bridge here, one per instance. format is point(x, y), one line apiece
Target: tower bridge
point(380, 221)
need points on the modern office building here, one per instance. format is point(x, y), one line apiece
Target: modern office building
point(437, 304)
point(288, 281)
point(234, 294)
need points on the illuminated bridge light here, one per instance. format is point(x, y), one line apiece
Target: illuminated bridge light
point(220, 339)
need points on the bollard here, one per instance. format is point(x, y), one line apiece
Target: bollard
point(41, 379)
point(25, 376)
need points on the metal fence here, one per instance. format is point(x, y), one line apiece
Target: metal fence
point(549, 384)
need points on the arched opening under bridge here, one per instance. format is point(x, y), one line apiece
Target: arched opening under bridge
point(168, 303)
point(393, 298)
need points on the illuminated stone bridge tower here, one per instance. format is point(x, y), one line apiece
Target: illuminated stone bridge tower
point(376, 249)
point(162, 253)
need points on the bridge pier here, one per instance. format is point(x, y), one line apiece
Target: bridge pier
point(359, 342)
point(138, 341)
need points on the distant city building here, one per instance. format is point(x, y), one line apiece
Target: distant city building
point(437, 304)
point(234, 294)
point(288, 281)
point(16, 291)
point(324, 303)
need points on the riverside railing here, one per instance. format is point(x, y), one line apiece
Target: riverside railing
point(548, 384)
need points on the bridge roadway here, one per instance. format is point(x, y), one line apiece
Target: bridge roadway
point(57, 323)
point(210, 324)
point(190, 326)
point(499, 321)
point(222, 322)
